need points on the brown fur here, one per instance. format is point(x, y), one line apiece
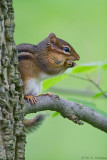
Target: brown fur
point(48, 56)
point(28, 69)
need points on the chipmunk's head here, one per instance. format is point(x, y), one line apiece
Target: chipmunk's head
point(62, 51)
point(60, 54)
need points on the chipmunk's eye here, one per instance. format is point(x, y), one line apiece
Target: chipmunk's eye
point(66, 49)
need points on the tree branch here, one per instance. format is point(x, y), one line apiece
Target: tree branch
point(68, 109)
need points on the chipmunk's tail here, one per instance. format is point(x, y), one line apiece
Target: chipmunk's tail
point(32, 124)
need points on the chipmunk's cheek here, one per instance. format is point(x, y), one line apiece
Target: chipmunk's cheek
point(70, 64)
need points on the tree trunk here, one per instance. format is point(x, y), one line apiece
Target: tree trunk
point(12, 134)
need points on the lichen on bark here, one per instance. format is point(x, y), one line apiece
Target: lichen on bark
point(12, 134)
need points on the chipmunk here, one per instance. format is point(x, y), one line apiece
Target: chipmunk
point(49, 58)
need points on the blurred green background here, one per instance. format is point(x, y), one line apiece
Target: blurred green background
point(83, 23)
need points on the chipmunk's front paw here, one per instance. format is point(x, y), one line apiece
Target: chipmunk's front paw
point(30, 99)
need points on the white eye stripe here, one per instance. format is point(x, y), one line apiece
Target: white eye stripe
point(66, 50)
point(67, 47)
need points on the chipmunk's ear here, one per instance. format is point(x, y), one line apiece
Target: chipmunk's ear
point(52, 38)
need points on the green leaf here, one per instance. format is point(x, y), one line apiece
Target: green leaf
point(99, 94)
point(50, 82)
point(55, 114)
point(104, 66)
point(89, 67)
point(84, 69)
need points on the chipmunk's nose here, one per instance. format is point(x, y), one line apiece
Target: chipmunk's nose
point(76, 56)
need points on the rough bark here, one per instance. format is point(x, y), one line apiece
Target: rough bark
point(68, 109)
point(12, 135)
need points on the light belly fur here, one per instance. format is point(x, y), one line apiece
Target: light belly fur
point(33, 87)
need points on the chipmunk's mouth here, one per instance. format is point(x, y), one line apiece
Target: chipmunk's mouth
point(70, 64)
point(73, 64)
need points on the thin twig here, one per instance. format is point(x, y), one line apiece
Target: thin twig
point(90, 80)
point(99, 76)
point(97, 86)
point(79, 77)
